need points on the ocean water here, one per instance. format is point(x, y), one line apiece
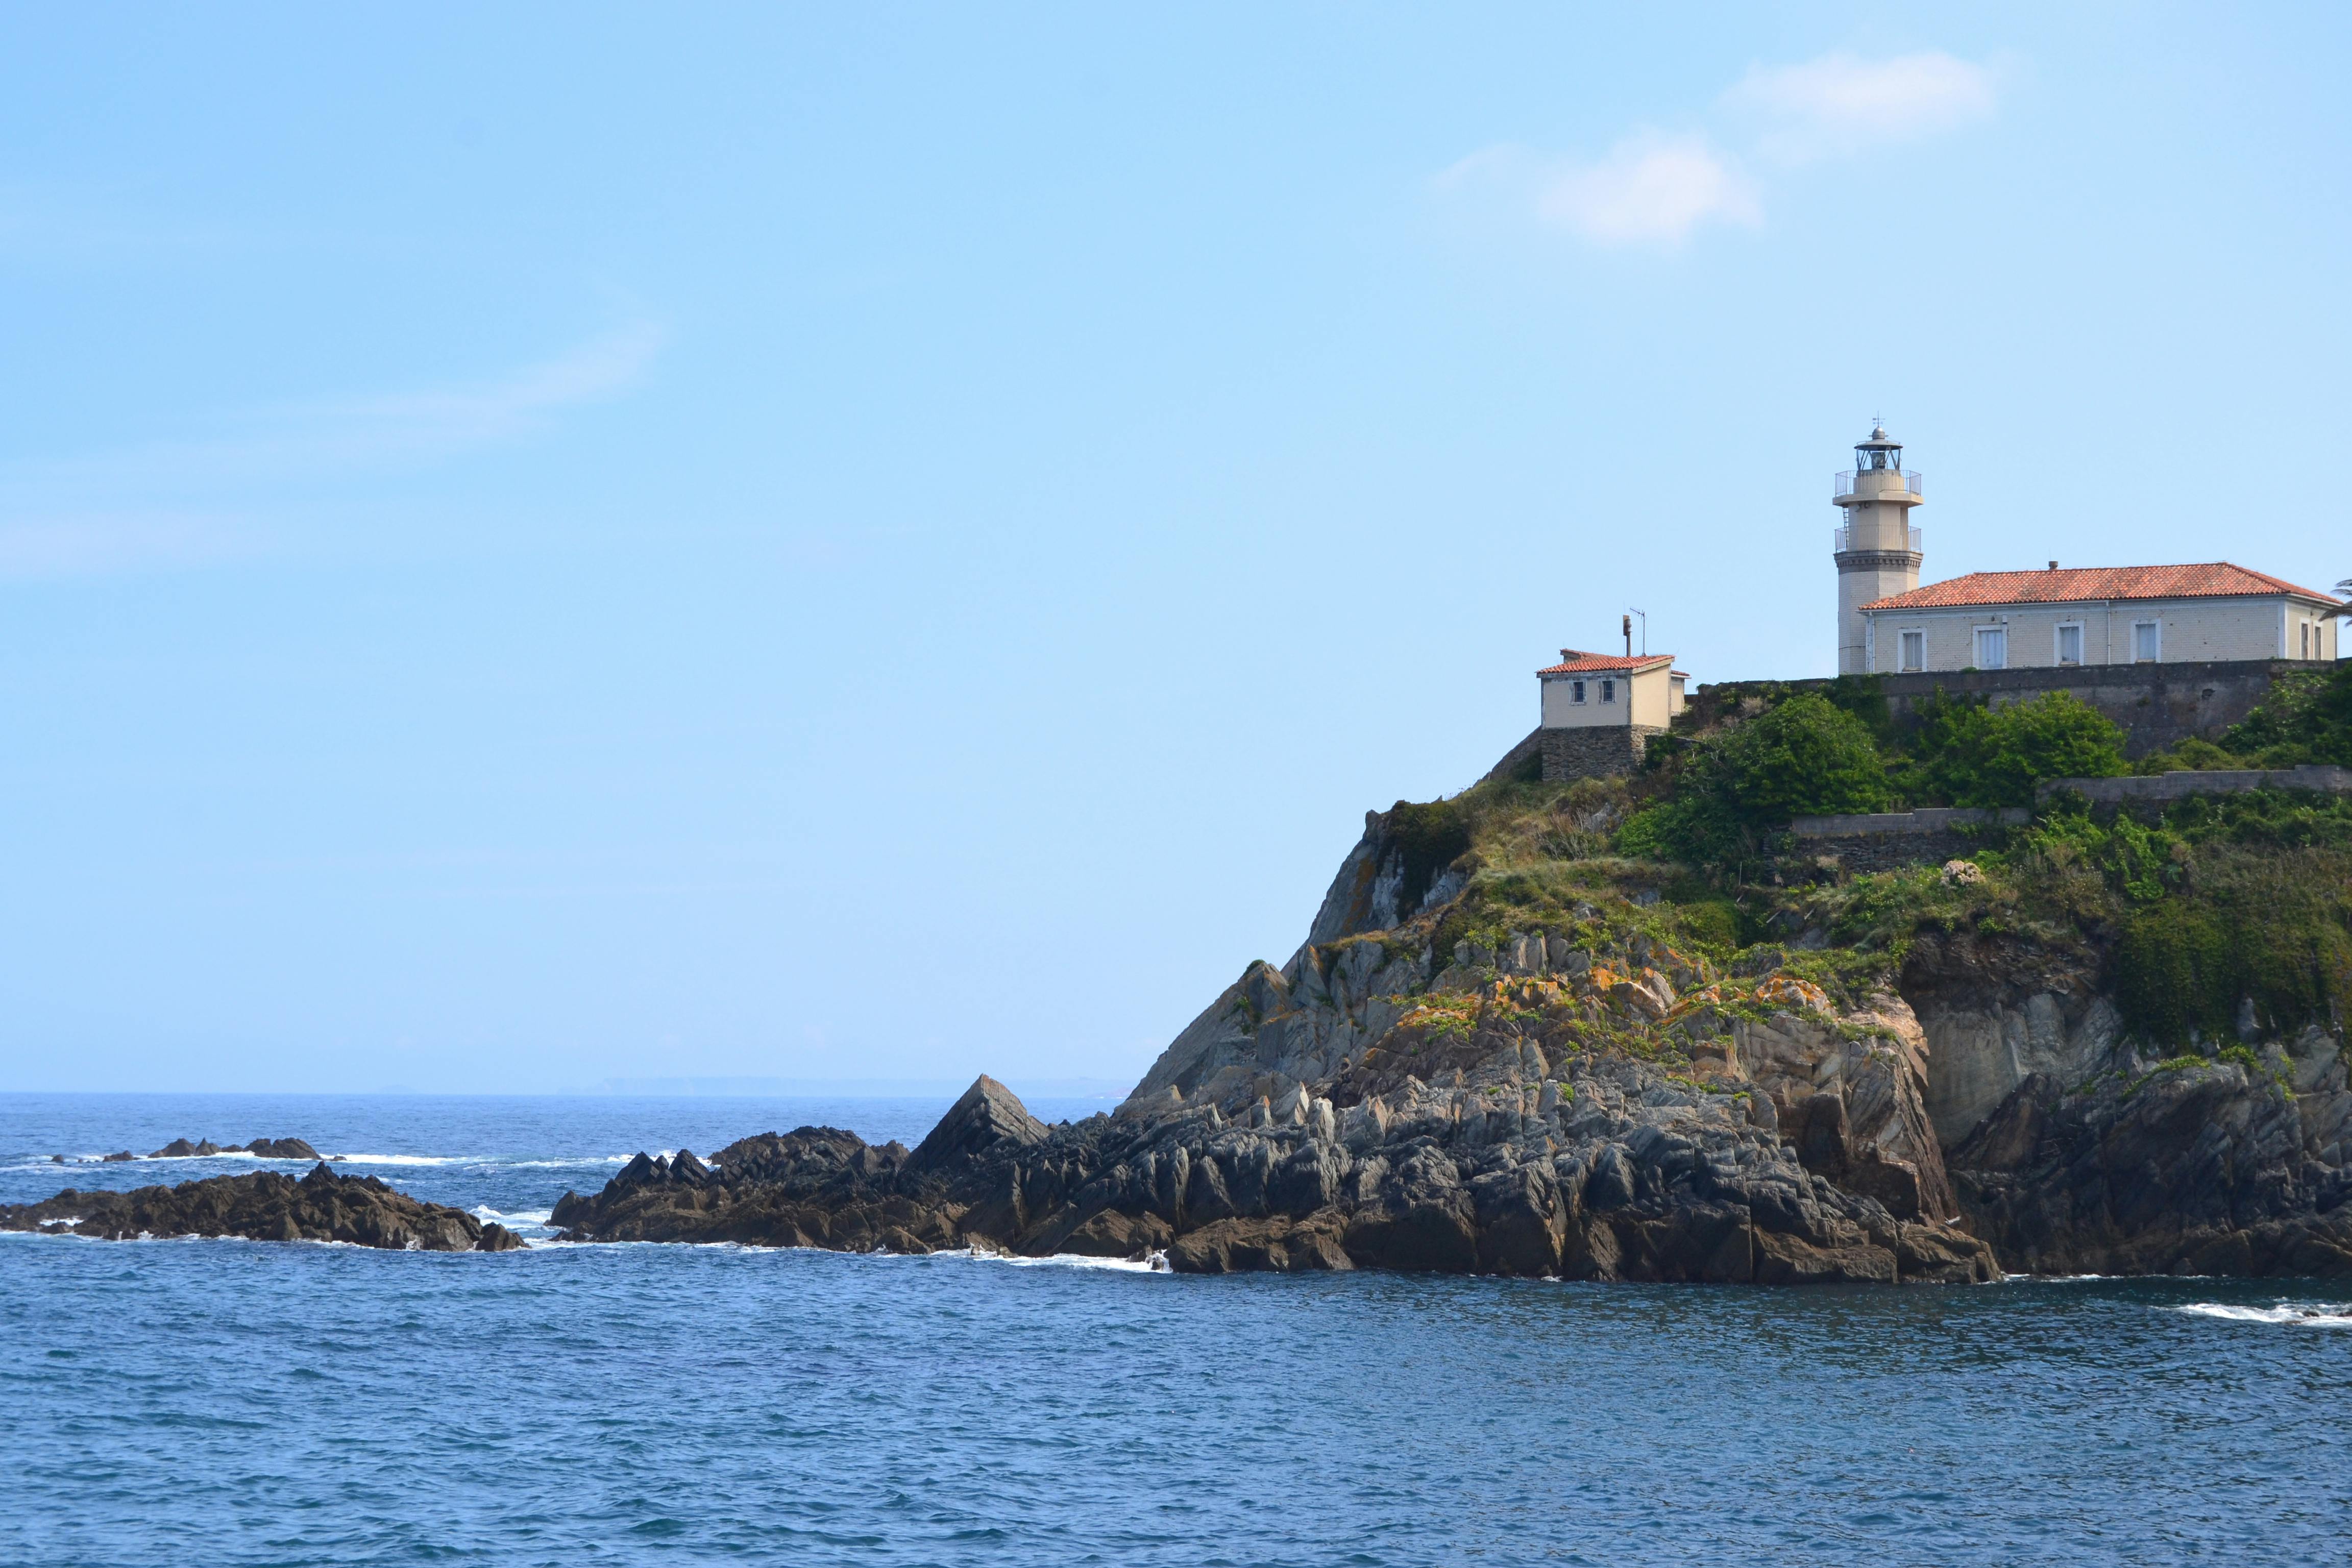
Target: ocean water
point(239, 1402)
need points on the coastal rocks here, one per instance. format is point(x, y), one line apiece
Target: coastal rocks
point(1997, 1010)
point(2191, 1167)
point(1625, 1176)
point(265, 1206)
point(2073, 1151)
point(1849, 1092)
point(264, 1148)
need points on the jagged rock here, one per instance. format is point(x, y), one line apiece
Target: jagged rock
point(283, 1149)
point(268, 1148)
point(2198, 1170)
point(265, 1206)
point(988, 1114)
point(1279, 1245)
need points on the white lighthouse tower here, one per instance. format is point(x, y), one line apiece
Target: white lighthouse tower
point(1877, 548)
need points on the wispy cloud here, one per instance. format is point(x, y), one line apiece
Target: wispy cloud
point(188, 501)
point(298, 441)
point(1841, 104)
point(1648, 188)
point(1656, 188)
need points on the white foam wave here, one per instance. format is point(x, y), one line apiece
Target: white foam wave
point(487, 1215)
point(1155, 1264)
point(2297, 1314)
point(407, 1159)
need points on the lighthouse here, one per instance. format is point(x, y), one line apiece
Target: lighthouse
point(1877, 550)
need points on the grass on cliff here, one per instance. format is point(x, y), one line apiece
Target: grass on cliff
point(2195, 907)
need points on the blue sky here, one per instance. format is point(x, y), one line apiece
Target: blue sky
point(553, 544)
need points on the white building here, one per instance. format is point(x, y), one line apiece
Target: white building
point(1889, 625)
point(1600, 690)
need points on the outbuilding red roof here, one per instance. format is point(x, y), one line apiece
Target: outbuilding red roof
point(2207, 579)
point(1575, 663)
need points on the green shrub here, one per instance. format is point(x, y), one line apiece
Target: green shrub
point(1803, 757)
point(2193, 752)
point(1971, 755)
point(1714, 923)
point(1694, 827)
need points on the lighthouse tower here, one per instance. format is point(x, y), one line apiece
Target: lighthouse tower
point(1877, 548)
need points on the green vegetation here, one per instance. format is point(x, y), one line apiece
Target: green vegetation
point(1716, 799)
point(2194, 912)
point(1801, 756)
point(2307, 719)
point(1964, 753)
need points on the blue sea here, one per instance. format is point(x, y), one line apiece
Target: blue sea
point(222, 1403)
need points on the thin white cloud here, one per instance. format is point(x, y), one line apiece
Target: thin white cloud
point(1648, 189)
point(309, 441)
point(179, 503)
point(1655, 188)
point(1841, 104)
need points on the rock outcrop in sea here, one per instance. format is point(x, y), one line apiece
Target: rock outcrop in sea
point(265, 1206)
point(265, 1148)
point(181, 1149)
point(1496, 1061)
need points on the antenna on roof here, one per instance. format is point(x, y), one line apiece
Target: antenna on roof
point(1629, 633)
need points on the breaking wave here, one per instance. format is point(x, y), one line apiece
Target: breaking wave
point(2296, 1314)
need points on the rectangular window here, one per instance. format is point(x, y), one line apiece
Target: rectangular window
point(2144, 644)
point(2306, 639)
point(2070, 645)
point(1914, 650)
point(1608, 691)
point(1993, 648)
point(1576, 691)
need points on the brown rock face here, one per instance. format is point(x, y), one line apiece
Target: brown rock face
point(265, 1206)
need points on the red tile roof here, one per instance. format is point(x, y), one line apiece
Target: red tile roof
point(2207, 579)
point(1575, 663)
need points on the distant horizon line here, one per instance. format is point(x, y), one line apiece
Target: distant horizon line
point(674, 1087)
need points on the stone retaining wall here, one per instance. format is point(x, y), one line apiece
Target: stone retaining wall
point(1557, 756)
point(1594, 752)
point(1880, 841)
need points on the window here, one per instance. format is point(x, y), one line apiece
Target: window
point(1576, 691)
point(2306, 639)
point(2145, 646)
point(1993, 648)
point(2070, 645)
point(1914, 650)
point(1608, 691)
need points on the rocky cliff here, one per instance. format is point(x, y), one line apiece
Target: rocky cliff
point(1503, 1050)
point(2078, 1148)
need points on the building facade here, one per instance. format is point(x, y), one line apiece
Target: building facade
point(2056, 617)
point(1598, 710)
point(2111, 614)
